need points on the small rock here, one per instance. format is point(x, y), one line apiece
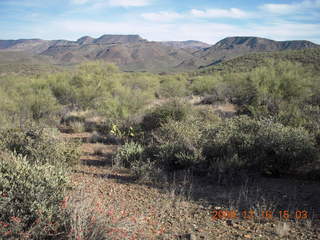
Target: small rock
point(247, 236)
point(188, 236)
point(229, 223)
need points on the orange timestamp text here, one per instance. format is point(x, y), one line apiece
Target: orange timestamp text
point(268, 214)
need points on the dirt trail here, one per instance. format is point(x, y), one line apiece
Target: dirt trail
point(145, 211)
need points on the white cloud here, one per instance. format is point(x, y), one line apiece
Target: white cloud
point(288, 30)
point(209, 32)
point(280, 8)
point(129, 3)
point(79, 1)
point(162, 16)
point(220, 13)
point(113, 3)
point(284, 9)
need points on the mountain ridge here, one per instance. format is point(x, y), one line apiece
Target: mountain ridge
point(134, 53)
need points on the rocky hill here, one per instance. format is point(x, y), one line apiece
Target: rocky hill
point(232, 47)
point(191, 44)
point(133, 53)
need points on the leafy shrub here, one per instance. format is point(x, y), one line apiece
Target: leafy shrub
point(264, 145)
point(225, 139)
point(130, 152)
point(30, 198)
point(175, 156)
point(40, 146)
point(172, 86)
point(284, 148)
point(175, 146)
point(145, 170)
point(265, 90)
point(160, 115)
point(202, 85)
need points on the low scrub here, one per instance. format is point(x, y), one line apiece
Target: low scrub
point(40, 146)
point(264, 145)
point(176, 146)
point(128, 154)
point(30, 198)
point(173, 110)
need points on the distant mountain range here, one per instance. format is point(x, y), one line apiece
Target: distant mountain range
point(133, 53)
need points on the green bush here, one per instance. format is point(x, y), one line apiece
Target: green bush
point(128, 154)
point(202, 85)
point(284, 148)
point(162, 114)
point(172, 86)
point(266, 90)
point(30, 198)
point(174, 146)
point(40, 146)
point(175, 156)
point(263, 145)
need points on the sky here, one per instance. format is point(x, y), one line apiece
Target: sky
point(161, 20)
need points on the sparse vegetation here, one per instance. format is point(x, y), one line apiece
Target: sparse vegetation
point(157, 131)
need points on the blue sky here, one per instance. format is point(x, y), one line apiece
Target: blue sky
point(161, 20)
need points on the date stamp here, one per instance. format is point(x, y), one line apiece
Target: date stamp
point(268, 214)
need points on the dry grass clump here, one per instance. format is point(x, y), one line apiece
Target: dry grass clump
point(282, 229)
point(86, 218)
point(77, 127)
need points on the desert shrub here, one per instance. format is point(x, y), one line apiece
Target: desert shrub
point(30, 198)
point(266, 90)
point(284, 148)
point(204, 116)
point(173, 86)
point(202, 85)
point(160, 115)
point(62, 89)
point(69, 119)
point(262, 145)
point(145, 170)
point(232, 136)
point(174, 146)
point(123, 102)
point(27, 102)
point(77, 127)
point(303, 116)
point(172, 157)
point(40, 146)
point(128, 154)
point(42, 105)
point(133, 156)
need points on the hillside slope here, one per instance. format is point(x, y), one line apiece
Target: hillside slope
point(307, 57)
point(133, 53)
point(232, 47)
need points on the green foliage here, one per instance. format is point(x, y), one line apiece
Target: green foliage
point(264, 145)
point(162, 114)
point(202, 85)
point(40, 146)
point(128, 154)
point(309, 58)
point(175, 146)
point(269, 86)
point(26, 99)
point(30, 198)
point(172, 86)
point(285, 148)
